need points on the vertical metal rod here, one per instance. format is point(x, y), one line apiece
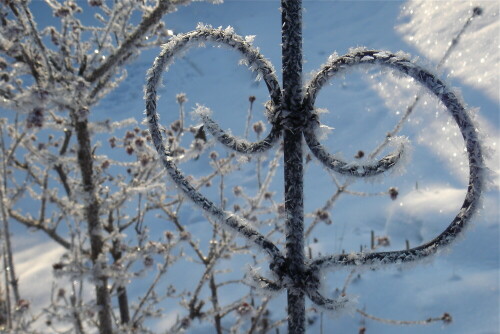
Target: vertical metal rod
point(291, 19)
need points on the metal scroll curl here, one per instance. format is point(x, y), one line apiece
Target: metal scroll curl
point(309, 280)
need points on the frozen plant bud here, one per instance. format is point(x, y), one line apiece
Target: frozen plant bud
point(181, 98)
point(393, 192)
point(359, 155)
point(259, 127)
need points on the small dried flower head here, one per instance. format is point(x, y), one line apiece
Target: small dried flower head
point(237, 191)
point(360, 154)
point(148, 261)
point(259, 127)
point(323, 215)
point(169, 235)
point(130, 150)
point(95, 3)
point(22, 305)
point(213, 155)
point(236, 208)
point(181, 98)
point(144, 160)
point(139, 142)
point(35, 118)
point(129, 135)
point(447, 318)
point(244, 309)
point(112, 142)
point(477, 11)
point(58, 266)
point(62, 12)
point(105, 164)
point(393, 192)
point(268, 195)
point(251, 98)
point(383, 241)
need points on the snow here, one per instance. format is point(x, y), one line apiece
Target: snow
point(464, 282)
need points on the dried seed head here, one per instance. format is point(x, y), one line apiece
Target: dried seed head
point(176, 126)
point(22, 305)
point(259, 127)
point(105, 164)
point(447, 318)
point(383, 241)
point(130, 150)
point(95, 3)
point(148, 261)
point(181, 98)
point(360, 154)
point(169, 235)
point(251, 98)
point(112, 142)
point(237, 191)
point(213, 155)
point(244, 309)
point(393, 192)
point(35, 118)
point(323, 215)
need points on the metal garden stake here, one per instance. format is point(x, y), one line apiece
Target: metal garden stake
point(292, 115)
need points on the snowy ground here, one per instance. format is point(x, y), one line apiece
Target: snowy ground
point(463, 282)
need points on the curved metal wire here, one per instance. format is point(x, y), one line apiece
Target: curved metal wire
point(255, 61)
point(467, 129)
point(175, 46)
